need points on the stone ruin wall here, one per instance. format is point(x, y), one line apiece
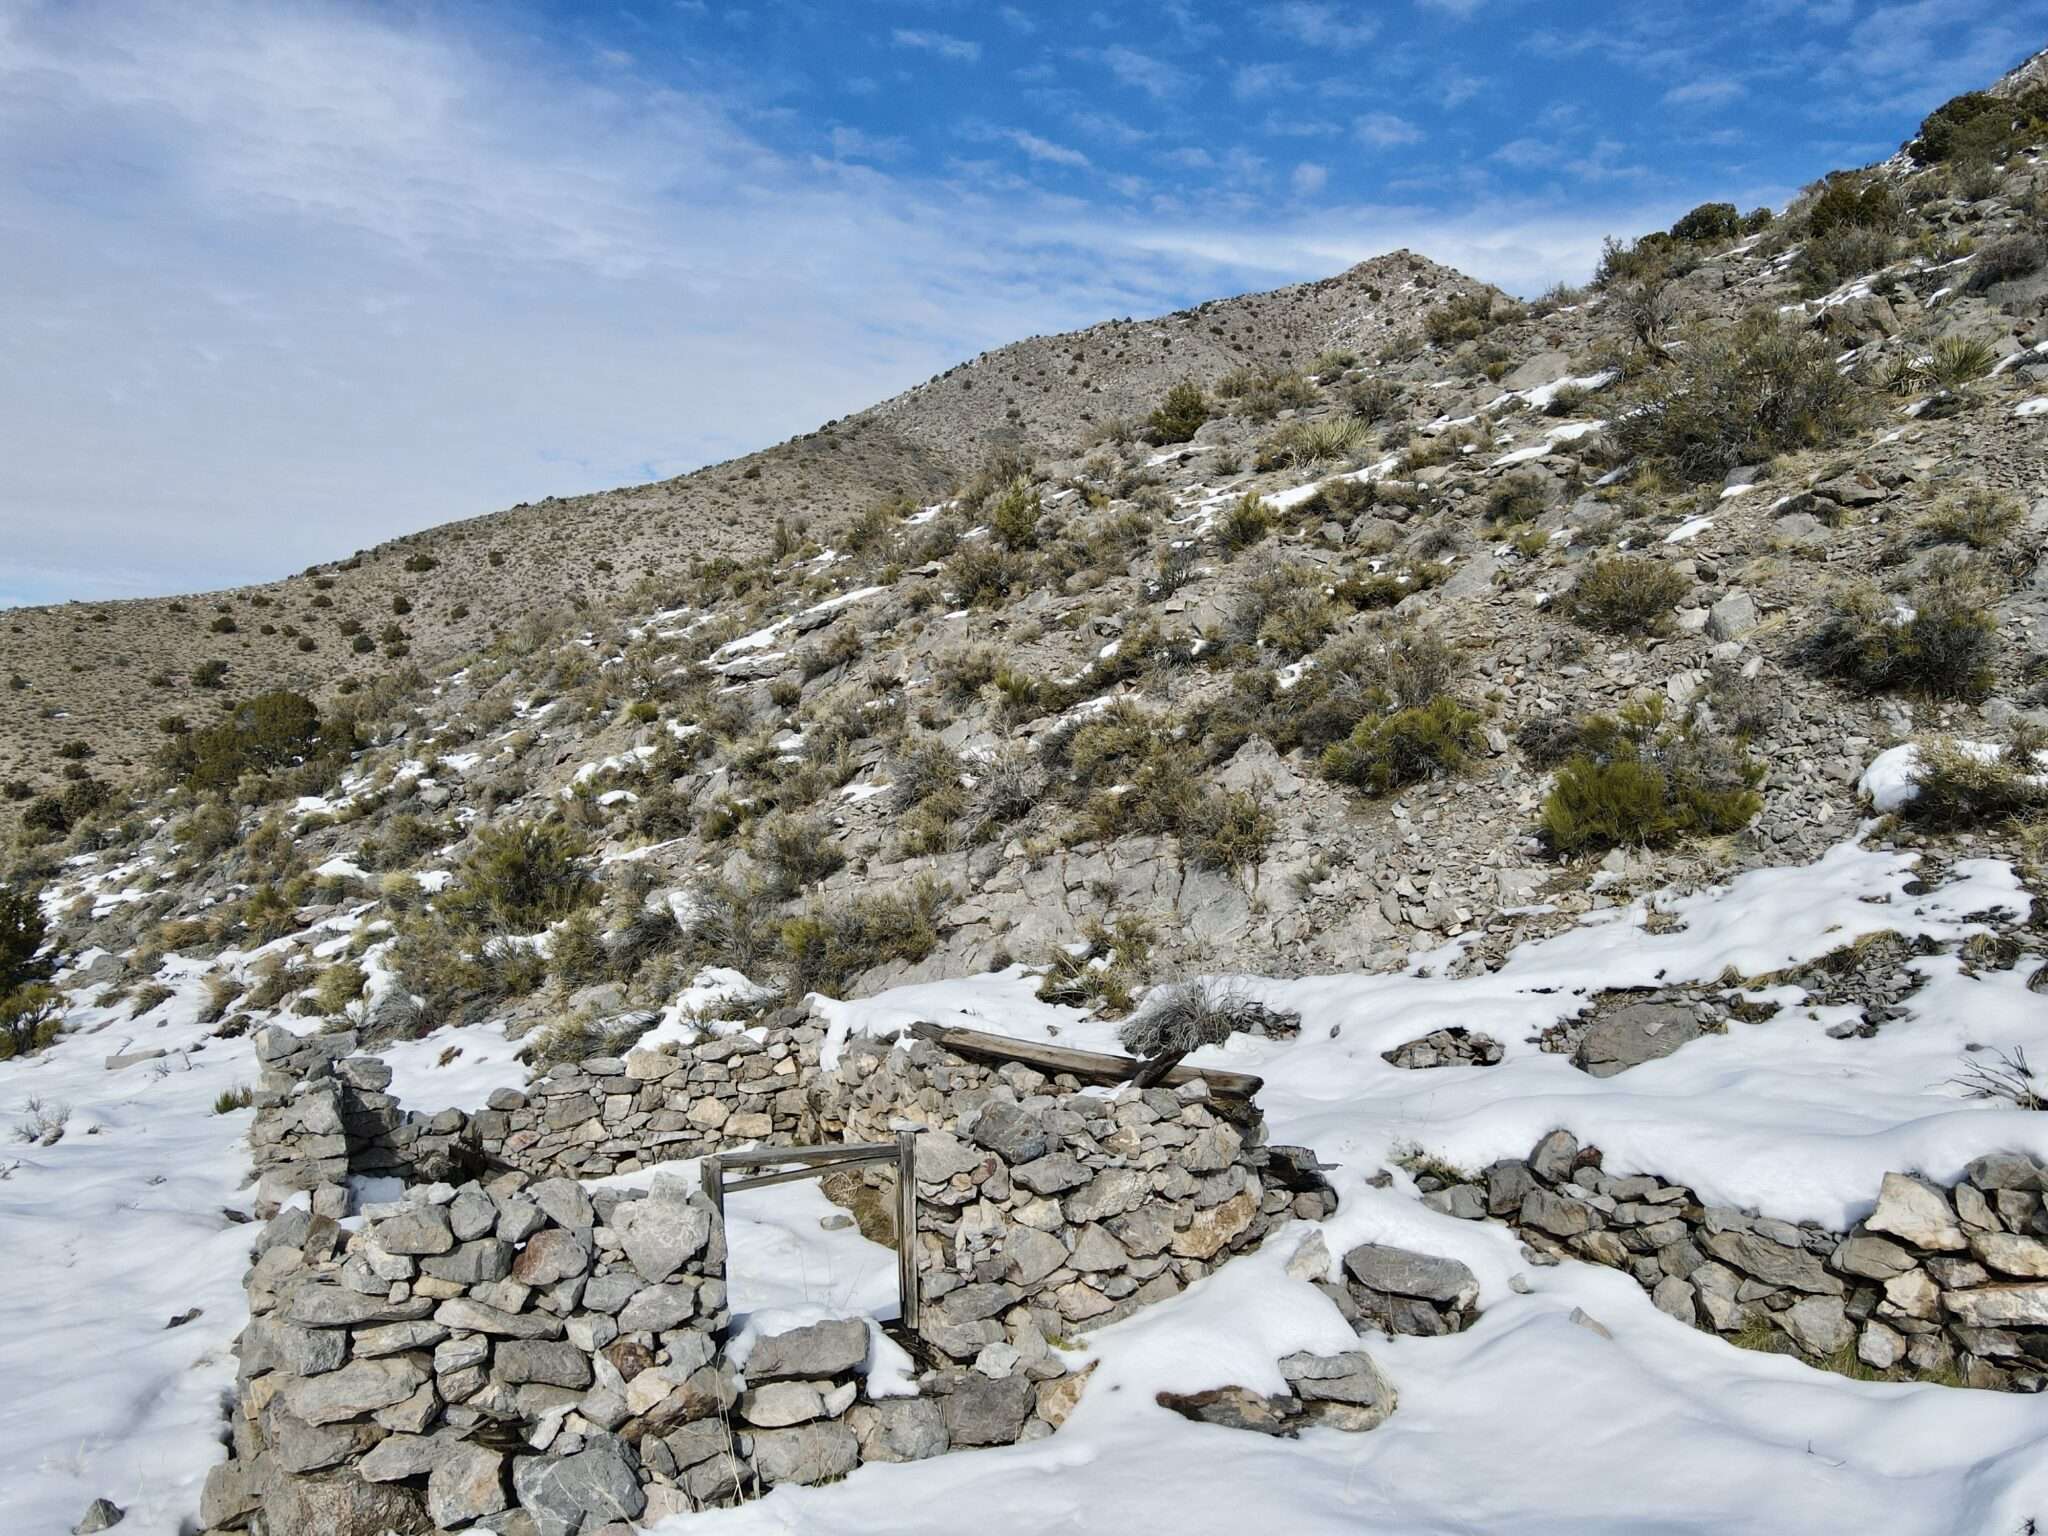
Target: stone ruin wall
point(499, 1348)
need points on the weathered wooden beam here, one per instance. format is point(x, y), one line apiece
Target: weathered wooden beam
point(1089, 1066)
point(756, 1157)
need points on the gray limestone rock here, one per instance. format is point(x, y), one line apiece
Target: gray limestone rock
point(809, 1453)
point(816, 1352)
point(1918, 1213)
point(1403, 1272)
point(983, 1411)
point(359, 1387)
point(581, 1492)
point(1632, 1035)
point(664, 1231)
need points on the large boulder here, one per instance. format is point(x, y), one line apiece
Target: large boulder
point(1634, 1034)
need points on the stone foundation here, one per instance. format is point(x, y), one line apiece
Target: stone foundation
point(1945, 1284)
point(501, 1349)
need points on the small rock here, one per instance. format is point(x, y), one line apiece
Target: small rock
point(100, 1514)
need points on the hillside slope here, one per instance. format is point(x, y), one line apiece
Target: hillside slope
point(105, 672)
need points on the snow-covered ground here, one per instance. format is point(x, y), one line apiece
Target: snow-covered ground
point(105, 1237)
point(1529, 1422)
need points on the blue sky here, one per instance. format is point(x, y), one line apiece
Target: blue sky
point(285, 279)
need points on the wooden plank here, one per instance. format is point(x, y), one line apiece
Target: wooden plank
point(791, 1175)
point(712, 1171)
point(756, 1157)
point(1089, 1066)
point(906, 1227)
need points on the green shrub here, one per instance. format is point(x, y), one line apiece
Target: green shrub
point(576, 952)
point(339, 985)
point(1226, 830)
point(23, 935)
point(1103, 970)
point(209, 674)
point(982, 573)
point(520, 876)
point(1980, 518)
point(1962, 786)
point(1244, 523)
point(262, 735)
point(1638, 779)
point(1827, 261)
point(1626, 595)
point(1386, 752)
point(228, 1100)
point(1309, 444)
point(1849, 200)
point(1179, 416)
point(1738, 396)
point(1518, 498)
point(825, 949)
point(1954, 361)
point(1373, 400)
point(1013, 516)
point(1283, 607)
point(1940, 640)
point(1385, 588)
point(797, 852)
point(1979, 126)
point(30, 1017)
point(1467, 317)
point(1708, 222)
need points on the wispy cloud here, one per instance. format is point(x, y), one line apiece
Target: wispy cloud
point(1703, 92)
point(1154, 76)
point(1308, 178)
point(1386, 130)
point(1253, 81)
point(960, 50)
point(1323, 25)
point(1044, 149)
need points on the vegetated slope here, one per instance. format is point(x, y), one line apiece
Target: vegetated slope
point(106, 672)
point(1437, 674)
point(1336, 657)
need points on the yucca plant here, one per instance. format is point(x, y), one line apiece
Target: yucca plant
point(1958, 360)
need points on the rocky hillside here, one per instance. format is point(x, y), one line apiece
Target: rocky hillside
point(1629, 708)
point(106, 672)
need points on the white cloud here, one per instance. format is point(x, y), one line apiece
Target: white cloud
point(1253, 81)
point(1308, 178)
point(1044, 149)
point(1461, 9)
point(1385, 130)
point(1703, 92)
point(1527, 154)
point(960, 50)
point(1155, 77)
point(1323, 25)
point(850, 143)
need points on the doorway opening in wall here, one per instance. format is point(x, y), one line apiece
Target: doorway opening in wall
point(782, 1264)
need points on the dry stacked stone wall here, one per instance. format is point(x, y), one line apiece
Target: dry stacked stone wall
point(501, 1348)
point(1941, 1283)
point(1044, 1207)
